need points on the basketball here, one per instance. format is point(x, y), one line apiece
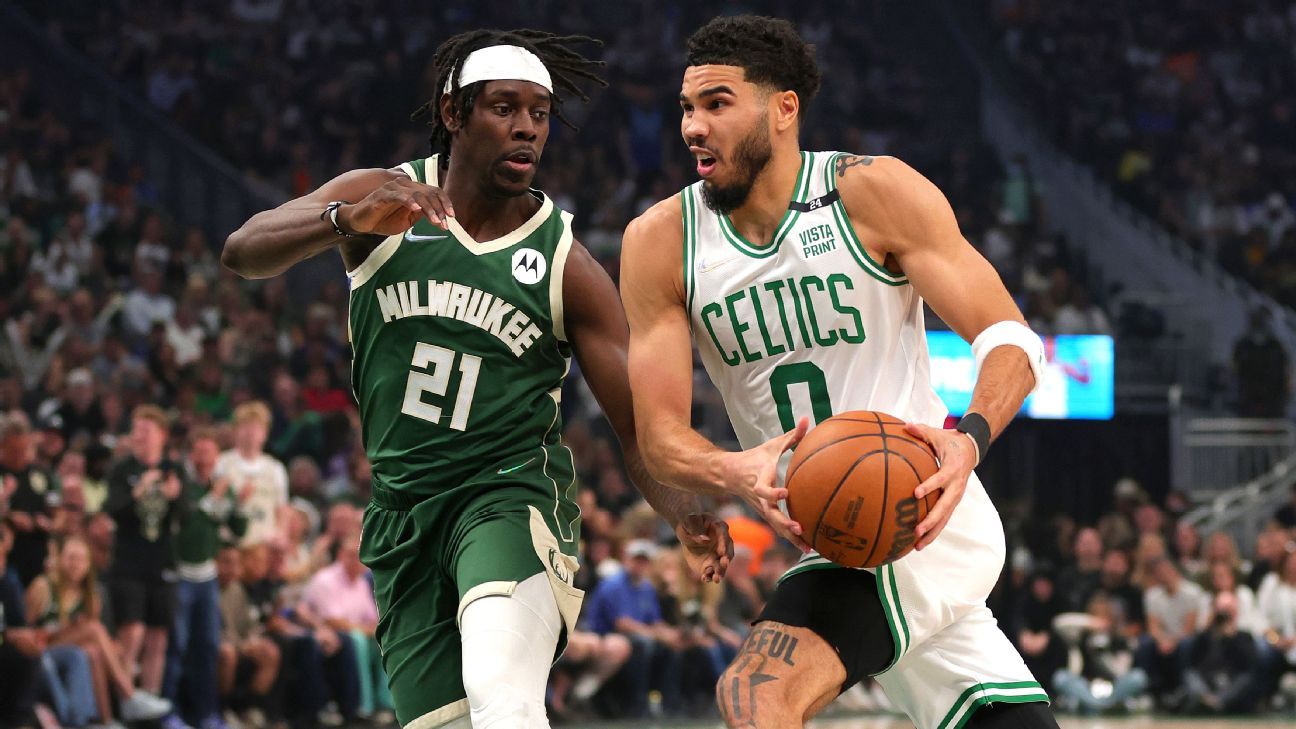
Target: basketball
point(851, 487)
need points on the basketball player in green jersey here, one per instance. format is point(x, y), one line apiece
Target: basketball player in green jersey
point(468, 294)
point(801, 276)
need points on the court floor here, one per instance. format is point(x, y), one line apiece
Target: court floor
point(1067, 722)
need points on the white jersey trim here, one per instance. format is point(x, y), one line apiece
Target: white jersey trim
point(480, 248)
point(557, 267)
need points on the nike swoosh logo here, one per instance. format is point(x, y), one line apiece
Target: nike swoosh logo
point(514, 468)
point(707, 269)
point(415, 238)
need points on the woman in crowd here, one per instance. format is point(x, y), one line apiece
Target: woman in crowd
point(66, 602)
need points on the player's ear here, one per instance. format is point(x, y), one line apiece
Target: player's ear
point(449, 114)
point(786, 108)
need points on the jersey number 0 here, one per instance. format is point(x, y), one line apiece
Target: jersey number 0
point(809, 374)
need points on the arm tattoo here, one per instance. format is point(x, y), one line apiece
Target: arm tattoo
point(672, 504)
point(845, 163)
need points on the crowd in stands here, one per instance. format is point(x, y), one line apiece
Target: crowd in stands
point(1185, 107)
point(329, 86)
point(183, 476)
point(1142, 610)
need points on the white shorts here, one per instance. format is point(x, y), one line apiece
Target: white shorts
point(950, 655)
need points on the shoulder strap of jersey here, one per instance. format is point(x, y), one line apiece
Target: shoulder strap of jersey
point(418, 169)
point(842, 219)
point(689, 210)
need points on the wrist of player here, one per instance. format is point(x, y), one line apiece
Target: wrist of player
point(977, 429)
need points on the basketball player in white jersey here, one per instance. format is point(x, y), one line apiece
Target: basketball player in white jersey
point(801, 276)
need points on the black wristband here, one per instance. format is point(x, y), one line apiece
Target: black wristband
point(330, 214)
point(975, 425)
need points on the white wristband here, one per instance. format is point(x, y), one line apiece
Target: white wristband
point(1012, 334)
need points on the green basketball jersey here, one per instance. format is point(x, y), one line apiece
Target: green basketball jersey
point(459, 347)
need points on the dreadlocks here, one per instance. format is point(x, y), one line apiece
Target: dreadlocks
point(566, 67)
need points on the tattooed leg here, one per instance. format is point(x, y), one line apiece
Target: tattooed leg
point(782, 676)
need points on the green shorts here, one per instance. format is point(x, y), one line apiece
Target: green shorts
point(432, 556)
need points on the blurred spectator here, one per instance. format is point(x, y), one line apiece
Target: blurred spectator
point(248, 664)
point(1078, 581)
point(295, 430)
point(20, 647)
point(1271, 549)
point(1249, 617)
point(1079, 315)
point(249, 469)
point(589, 661)
point(147, 304)
point(79, 415)
point(1040, 645)
point(1277, 602)
point(319, 666)
point(1187, 549)
point(1172, 606)
point(1261, 365)
point(342, 596)
point(627, 603)
point(143, 491)
point(1222, 549)
point(33, 496)
point(209, 507)
point(1107, 677)
point(1222, 671)
point(66, 603)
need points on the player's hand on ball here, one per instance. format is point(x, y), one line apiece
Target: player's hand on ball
point(395, 207)
point(707, 546)
point(754, 477)
point(956, 454)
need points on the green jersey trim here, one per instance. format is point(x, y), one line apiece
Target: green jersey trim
point(556, 269)
point(980, 694)
point(690, 247)
point(799, 192)
point(896, 623)
point(853, 244)
point(508, 240)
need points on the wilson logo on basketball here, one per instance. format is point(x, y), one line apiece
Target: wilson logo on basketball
point(906, 518)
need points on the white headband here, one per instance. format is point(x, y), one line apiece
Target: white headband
point(502, 63)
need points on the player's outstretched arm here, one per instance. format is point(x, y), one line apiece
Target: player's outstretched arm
point(595, 325)
point(892, 204)
point(661, 378)
point(379, 203)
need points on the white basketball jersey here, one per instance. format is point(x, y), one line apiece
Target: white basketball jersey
point(808, 325)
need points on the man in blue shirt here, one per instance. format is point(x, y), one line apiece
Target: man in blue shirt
point(627, 603)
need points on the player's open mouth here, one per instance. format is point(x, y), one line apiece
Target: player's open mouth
point(706, 161)
point(521, 160)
